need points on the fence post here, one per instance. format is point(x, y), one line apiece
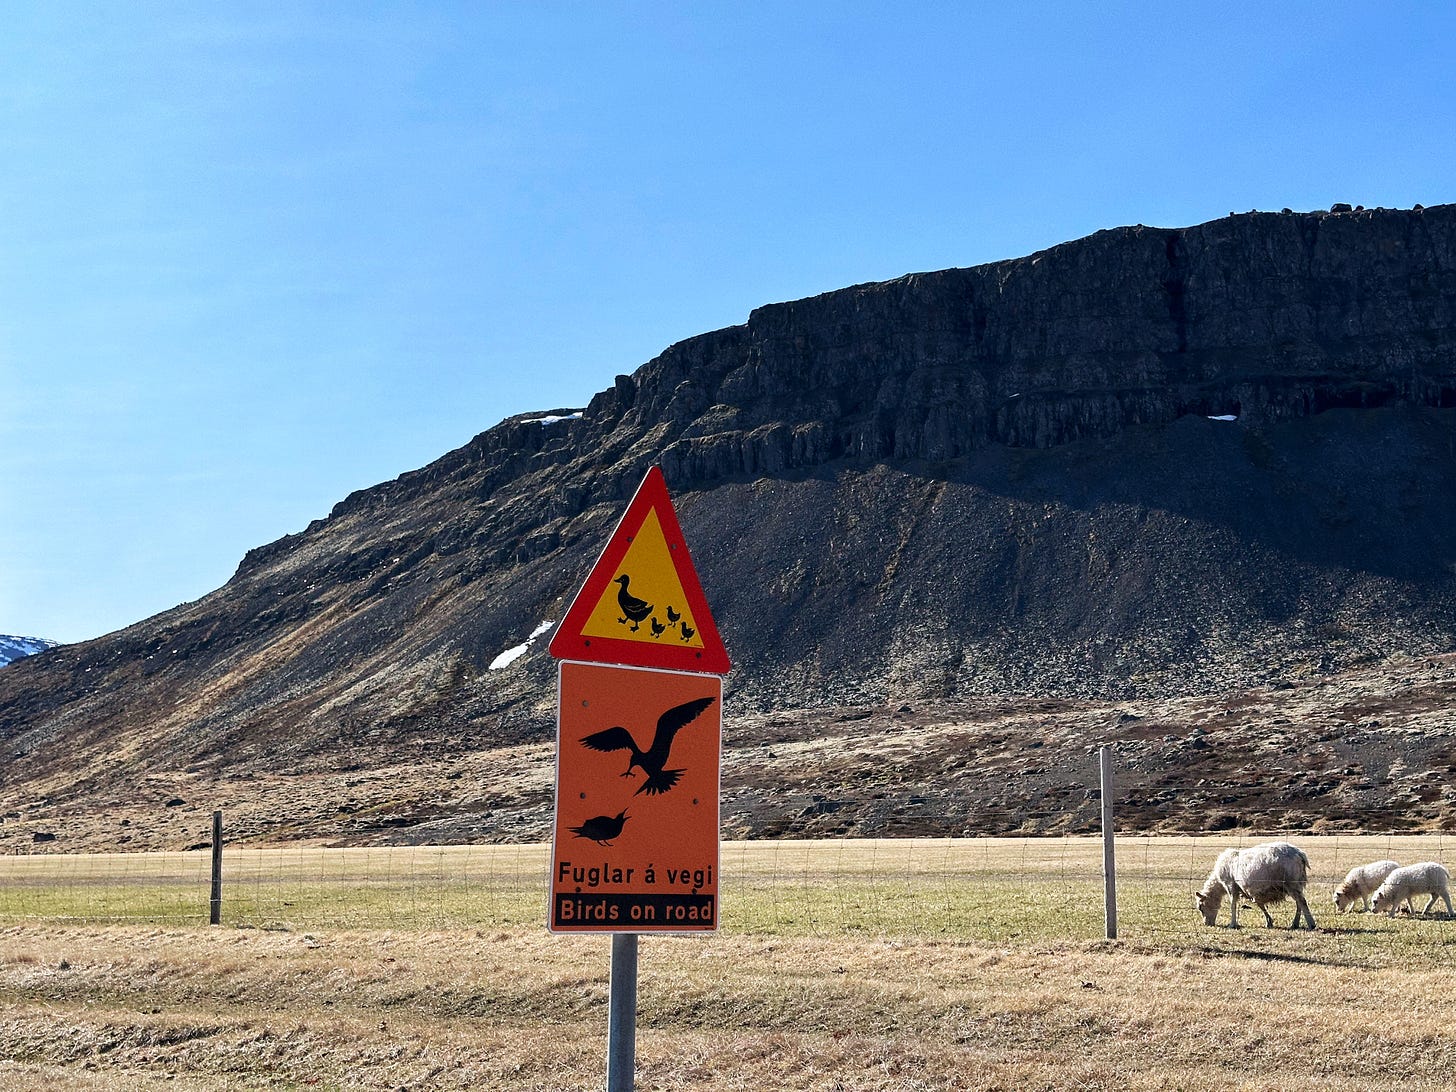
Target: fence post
point(215, 907)
point(1109, 864)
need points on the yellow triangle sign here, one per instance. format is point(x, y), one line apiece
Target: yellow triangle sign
point(645, 601)
point(642, 605)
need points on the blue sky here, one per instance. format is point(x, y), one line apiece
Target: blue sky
point(256, 256)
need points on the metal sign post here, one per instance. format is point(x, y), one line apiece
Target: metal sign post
point(622, 1015)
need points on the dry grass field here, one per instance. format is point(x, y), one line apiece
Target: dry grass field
point(975, 964)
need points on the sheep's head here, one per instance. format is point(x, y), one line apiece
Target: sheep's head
point(1344, 898)
point(1208, 903)
point(1383, 899)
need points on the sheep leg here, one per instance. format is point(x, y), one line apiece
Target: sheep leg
point(1447, 896)
point(1301, 907)
point(1268, 918)
point(1234, 912)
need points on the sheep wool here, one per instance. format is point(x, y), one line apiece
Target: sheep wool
point(1267, 873)
point(1360, 883)
point(1426, 878)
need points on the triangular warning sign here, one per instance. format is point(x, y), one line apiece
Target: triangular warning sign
point(642, 605)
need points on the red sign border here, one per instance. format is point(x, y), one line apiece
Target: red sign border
point(570, 643)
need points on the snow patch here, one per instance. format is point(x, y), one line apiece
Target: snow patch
point(1224, 417)
point(511, 655)
point(17, 648)
point(552, 419)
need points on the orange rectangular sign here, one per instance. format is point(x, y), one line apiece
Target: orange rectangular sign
point(635, 846)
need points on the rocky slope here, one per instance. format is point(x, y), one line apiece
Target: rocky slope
point(953, 487)
point(1372, 749)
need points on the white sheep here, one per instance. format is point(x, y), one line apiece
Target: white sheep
point(1263, 874)
point(1360, 883)
point(1426, 878)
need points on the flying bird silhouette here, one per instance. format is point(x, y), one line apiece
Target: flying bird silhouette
point(632, 607)
point(601, 829)
point(654, 758)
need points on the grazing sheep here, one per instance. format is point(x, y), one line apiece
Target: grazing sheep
point(1360, 883)
point(1426, 878)
point(1263, 874)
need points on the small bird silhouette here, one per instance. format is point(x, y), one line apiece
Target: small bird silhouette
point(654, 758)
point(673, 617)
point(658, 629)
point(632, 607)
point(687, 632)
point(601, 829)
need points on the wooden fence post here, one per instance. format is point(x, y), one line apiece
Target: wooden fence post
point(1109, 864)
point(215, 907)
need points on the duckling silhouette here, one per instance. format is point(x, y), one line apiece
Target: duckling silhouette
point(658, 629)
point(687, 632)
point(654, 758)
point(673, 617)
point(601, 829)
point(632, 607)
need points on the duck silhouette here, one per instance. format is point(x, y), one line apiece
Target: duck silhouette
point(601, 829)
point(632, 607)
point(654, 758)
point(658, 629)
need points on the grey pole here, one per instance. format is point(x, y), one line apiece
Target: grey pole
point(1109, 865)
point(622, 1015)
point(215, 906)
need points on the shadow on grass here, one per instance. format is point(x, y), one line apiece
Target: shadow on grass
point(1350, 931)
point(1270, 957)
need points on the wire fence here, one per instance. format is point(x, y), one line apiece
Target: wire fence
point(995, 889)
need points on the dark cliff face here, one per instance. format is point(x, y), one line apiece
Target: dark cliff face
point(1269, 316)
point(993, 480)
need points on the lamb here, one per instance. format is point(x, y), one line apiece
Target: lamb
point(1426, 878)
point(1360, 883)
point(1266, 873)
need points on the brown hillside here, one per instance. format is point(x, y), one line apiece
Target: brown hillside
point(978, 489)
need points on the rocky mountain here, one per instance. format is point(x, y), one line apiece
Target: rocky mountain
point(13, 648)
point(1148, 466)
